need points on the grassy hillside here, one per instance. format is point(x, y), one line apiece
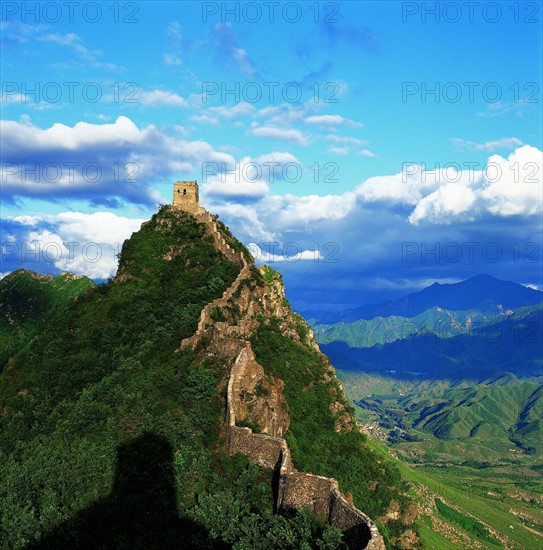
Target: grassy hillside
point(507, 504)
point(107, 434)
point(384, 330)
point(110, 434)
point(498, 421)
point(315, 444)
point(27, 301)
point(461, 443)
point(492, 420)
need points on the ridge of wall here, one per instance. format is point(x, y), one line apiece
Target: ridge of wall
point(294, 489)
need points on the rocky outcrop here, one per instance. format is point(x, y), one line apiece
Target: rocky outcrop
point(256, 410)
point(254, 397)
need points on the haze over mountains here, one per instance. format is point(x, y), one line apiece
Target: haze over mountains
point(477, 328)
point(113, 432)
point(481, 292)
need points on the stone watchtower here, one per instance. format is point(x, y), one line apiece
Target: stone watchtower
point(185, 195)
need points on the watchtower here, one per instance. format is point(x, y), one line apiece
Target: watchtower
point(185, 195)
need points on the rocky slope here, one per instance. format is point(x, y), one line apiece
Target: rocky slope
point(193, 345)
point(255, 399)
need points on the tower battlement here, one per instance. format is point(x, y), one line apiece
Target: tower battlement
point(185, 195)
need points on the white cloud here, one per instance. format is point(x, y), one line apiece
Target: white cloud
point(338, 151)
point(171, 59)
point(366, 153)
point(174, 33)
point(73, 41)
point(273, 216)
point(407, 187)
point(214, 114)
point(159, 97)
point(332, 120)
point(9, 98)
point(444, 205)
point(504, 187)
point(123, 158)
point(533, 286)
point(290, 209)
point(82, 134)
point(284, 114)
point(503, 108)
point(346, 139)
point(488, 146)
point(290, 252)
point(84, 244)
point(246, 218)
point(228, 49)
point(251, 177)
point(240, 109)
point(245, 180)
point(514, 185)
point(282, 134)
point(242, 58)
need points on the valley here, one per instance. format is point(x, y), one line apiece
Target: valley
point(454, 398)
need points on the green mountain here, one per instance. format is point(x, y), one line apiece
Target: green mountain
point(450, 380)
point(384, 330)
point(181, 404)
point(475, 447)
point(28, 300)
point(510, 345)
point(495, 418)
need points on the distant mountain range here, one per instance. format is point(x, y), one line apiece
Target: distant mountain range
point(488, 418)
point(513, 345)
point(384, 330)
point(482, 292)
point(474, 329)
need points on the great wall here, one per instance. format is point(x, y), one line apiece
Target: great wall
point(292, 489)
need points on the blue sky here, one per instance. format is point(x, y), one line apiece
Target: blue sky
point(371, 101)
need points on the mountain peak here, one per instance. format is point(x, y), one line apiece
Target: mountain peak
point(481, 292)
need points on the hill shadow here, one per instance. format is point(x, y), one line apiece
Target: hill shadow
point(141, 510)
point(513, 345)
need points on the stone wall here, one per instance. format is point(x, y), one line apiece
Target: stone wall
point(263, 449)
point(298, 489)
point(358, 529)
point(266, 408)
point(292, 489)
point(234, 256)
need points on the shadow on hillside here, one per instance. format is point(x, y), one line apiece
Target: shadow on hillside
point(510, 346)
point(140, 512)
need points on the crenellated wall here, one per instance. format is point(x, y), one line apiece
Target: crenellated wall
point(297, 489)
point(270, 450)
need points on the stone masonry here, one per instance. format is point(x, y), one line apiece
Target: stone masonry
point(268, 449)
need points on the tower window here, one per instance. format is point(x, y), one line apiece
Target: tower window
point(184, 191)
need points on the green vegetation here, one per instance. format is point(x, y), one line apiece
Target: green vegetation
point(28, 300)
point(217, 314)
point(507, 344)
point(477, 473)
point(505, 501)
point(498, 419)
point(108, 433)
point(365, 333)
point(269, 274)
point(467, 523)
point(315, 445)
